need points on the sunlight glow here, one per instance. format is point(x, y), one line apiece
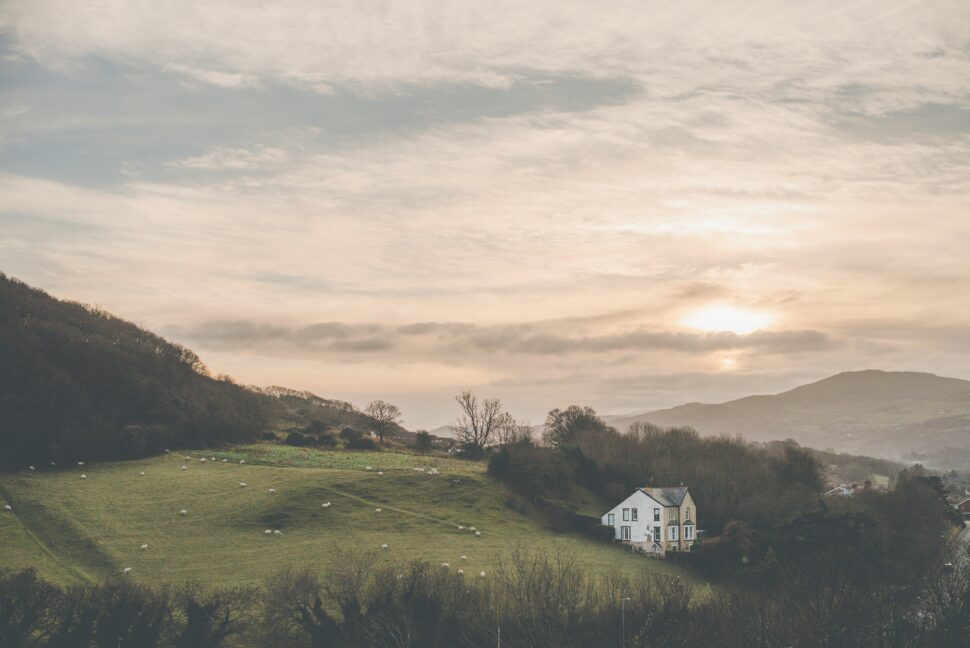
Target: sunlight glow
point(727, 318)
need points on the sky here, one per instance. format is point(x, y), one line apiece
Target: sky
point(627, 205)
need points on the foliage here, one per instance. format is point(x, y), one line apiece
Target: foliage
point(422, 441)
point(384, 415)
point(78, 383)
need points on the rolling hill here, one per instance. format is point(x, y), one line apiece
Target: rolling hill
point(900, 415)
point(88, 530)
point(80, 383)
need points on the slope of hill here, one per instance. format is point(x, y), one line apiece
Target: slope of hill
point(80, 383)
point(75, 530)
point(879, 413)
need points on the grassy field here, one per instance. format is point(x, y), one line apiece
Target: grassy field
point(75, 530)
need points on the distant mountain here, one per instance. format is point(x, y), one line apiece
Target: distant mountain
point(905, 415)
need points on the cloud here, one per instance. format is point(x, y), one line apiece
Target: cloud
point(453, 340)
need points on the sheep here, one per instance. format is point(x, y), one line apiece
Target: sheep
point(7, 507)
point(213, 458)
point(183, 512)
point(383, 546)
point(464, 557)
point(242, 461)
point(461, 528)
point(380, 472)
point(144, 546)
point(478, 534)
point(434, 471)
point(272, 490)
point(141, 474)
point(202, 460)
point(127, 570)
point(277, 532)
point(242, 484)
point(368, 468)
point(482, 574)
point(225, 460)
point(268, 532)
point(53, 464)
point(325, 505)
point(31, 468)
point(187, 457)
point(185, 467)
point(471, 528)
point(461, 571)
point(166, 450)
point(377, 510)
point(445, 565)
point(80, 463)
point(84, 476)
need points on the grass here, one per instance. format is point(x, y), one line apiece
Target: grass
point(74, 530)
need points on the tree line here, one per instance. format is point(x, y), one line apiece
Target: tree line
point(529, 600)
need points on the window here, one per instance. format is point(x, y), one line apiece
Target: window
point(611, 520)
point(673, 532)
point(675, 515)
point(656, 515)
point(656, 534)
point(624, 533)
point(633, 515)
point(687, 516)
point(626, 515)
point(688, 532)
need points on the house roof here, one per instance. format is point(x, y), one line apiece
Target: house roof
point(670, 496)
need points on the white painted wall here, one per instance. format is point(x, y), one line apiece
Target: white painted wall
point(641, 530)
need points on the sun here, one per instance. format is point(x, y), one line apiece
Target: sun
point(716, 319)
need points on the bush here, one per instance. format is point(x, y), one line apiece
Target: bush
point(269, 436)
point(326, 440)
point(349, 434)
point(297, 439)
point(363, 443)
point(422, 441)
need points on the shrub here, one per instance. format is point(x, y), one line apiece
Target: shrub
point(296, 439)
point(363, 443)
point(349, 434)
point(269, 436)
point(422, 441)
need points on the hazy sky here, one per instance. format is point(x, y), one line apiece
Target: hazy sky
point(627, 204)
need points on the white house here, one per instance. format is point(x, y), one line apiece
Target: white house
point(656, 520)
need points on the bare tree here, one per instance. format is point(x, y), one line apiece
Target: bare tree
point(385, 414)
point(479, 420)
point(509, 431)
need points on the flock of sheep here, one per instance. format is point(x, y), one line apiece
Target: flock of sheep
point(277, 532)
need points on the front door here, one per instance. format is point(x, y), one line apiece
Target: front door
point(624, 533)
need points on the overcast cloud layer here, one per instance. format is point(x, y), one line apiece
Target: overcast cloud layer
point(532, 200)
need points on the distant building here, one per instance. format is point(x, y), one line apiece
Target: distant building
point(655, 520)
point(964, 508)
point(842, 490)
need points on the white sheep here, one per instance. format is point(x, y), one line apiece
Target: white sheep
point(84, 476)
point(272, 490)
point(445, 565)
point(325, 505)
point(31, 467)
point(144, 546)
point(380, 472)
point(482, 574)
point(461, 528)
point(368, 468)
point(464, 557)
point(383, 546)
point(461, 571)
point(202, 460)
point(142, 473)
point(7, 507)
point(471, 528)
point(166, 449)
point(377, 510)
point(127, 570)
point(187, 457)
point(242, 484)
point(183, 512)
point(433, 471)
point(268, 532)
point(80, 463)
point(185, 467)
point(242, 461)
point(478, 534)
point(53, 464)
point(213, 458)
point(277, 532)
point(224, 460)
